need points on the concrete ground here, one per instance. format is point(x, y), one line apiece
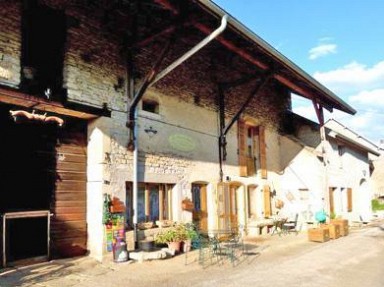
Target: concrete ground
point(287, 260)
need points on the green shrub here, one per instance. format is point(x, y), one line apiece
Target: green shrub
point(376, 205)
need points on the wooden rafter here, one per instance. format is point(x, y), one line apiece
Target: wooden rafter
point(319, 112)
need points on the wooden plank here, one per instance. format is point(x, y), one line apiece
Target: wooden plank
point(68, 225)
point(71, 166)
point(66, 234)
point(68, 203)
point(71, 196)
point(68, 186)
point(74, 149)
point(70, 216)
point(69, 209)
point(71, 176)
point(76, 158)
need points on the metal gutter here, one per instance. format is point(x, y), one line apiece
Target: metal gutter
point(193, 51)
point(278, 56)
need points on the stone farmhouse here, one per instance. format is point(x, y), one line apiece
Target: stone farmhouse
point(343, 186)
point(156, 103)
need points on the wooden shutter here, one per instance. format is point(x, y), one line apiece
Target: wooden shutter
point(267, 201)
point(220, 205)
point(242, 140)
point(349, 199)
point(263, 153)
point(331, 203)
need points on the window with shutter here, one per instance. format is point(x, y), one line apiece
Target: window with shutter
point(252, 150)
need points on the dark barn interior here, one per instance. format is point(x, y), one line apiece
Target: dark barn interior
point(27, 182)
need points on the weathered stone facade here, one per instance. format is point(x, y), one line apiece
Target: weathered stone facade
point(178, 144)
point(10, 42)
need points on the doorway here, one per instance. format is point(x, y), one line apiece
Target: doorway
point(200, 210)
point(27, 184)
point(230, 204)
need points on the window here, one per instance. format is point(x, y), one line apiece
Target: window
point(252, 201)
point(43, 39)
point(252, 152)
point(151, 106)
point(341, 151)
point(153, 202)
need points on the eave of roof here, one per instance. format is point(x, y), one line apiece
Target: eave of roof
point(348, 141)
point(327, 95)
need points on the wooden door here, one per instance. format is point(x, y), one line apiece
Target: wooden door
point(200, 211)
point(227, 205)
point(69, 227)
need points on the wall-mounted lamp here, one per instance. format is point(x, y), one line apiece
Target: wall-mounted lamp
point(150, 131)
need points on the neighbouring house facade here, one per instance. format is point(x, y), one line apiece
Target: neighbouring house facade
point(343, 185)
point(124, 98)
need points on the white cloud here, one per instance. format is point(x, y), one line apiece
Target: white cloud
point(373, 98)
point(353, 78)
point(362, 87)
point(322, 50)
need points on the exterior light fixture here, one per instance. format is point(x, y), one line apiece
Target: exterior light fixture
point(150, 131)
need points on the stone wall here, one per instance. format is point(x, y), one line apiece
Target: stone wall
point(10, 42)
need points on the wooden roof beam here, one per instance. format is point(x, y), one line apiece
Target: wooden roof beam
point(245, 55)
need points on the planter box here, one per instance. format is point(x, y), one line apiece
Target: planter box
point(343, 224)
point(334, 230)
point(318, 234)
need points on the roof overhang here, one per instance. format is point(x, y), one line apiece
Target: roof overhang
point(341, 139)
point(290, 75)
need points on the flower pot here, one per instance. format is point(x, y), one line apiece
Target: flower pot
point(174, 246)
point(186, 245)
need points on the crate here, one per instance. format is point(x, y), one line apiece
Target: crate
point(318, 234)
point(334, 230)
point(343, 224)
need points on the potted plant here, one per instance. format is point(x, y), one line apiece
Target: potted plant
point(172, 237)
point(190, 236)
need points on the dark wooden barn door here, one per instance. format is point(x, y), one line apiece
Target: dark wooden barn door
point(69, 228)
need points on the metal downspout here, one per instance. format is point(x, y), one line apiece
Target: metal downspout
point(193, 51)
point(149, 81)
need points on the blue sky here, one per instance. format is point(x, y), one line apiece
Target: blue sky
point(338, 42)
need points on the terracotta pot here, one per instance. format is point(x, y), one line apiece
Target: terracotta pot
point(186, 245)
point(174, 246)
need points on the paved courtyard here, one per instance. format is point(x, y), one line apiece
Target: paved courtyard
point(289, 260)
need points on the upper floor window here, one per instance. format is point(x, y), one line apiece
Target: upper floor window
point(151, 106)
point(43, 38)
point(252, 152)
